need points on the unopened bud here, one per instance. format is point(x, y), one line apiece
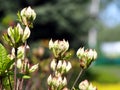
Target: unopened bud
point(20, 29)
point(19, 64)
point(68, 67)
point(27, 15)
point(33, 68)
point(53, 65)
point(49, 80)
point(26, 33)
point(85, 85)
point(58, 47)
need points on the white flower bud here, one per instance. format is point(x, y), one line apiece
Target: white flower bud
point(11, 34)
point(53, 65)
point(27, 15)
point(20, 29)
point(58, 81)
point(58, 47)
point(64, 65)
point(49, 80)
point(84, 85)
point(59, 65)
point(64, 82)
point(51, 44)
point(10, 31)
point(68, 67)
point(26, 33)
point(91, 87)
point(95, 55)
point(19, 64)
point(33, 68)
point(80, 52)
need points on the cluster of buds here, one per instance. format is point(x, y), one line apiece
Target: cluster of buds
point(85, 85)
point(22, 62)
point(86, 57)
point(57, 81)
point(27, 16)
point(58, 47)
point(61, 67)
point(16, 36)
point(26, 67)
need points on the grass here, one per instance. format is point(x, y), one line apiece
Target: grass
point(113, 86)
point(106, 73)
point(107, 77)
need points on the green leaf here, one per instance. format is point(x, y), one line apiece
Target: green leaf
point(26, 77)
point(4, 60)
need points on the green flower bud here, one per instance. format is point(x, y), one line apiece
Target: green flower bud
point(33, 68)
point(14, 36)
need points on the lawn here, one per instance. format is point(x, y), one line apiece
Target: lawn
point(107, 77)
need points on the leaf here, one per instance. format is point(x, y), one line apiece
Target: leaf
point(26, 77)
point(21, 75)
point(4, 60)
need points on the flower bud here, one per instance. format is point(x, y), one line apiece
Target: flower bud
point(53, 65)
point(49, 80)
point(80, 52)
point(33, 68)
point(26, 34)
point(86, 57)
point(15, 35)
point(20, 29)
point(64, 82)
point(11, 35)
point(63, 67)
point(85, 85)
point(59, 65)
point(19, 64)
point(58, 47)
point(68, 67)
point(28, 15)
point(91, 87)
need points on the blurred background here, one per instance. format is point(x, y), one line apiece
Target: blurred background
point(88, 23)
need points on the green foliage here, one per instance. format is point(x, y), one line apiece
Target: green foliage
point(5, 62)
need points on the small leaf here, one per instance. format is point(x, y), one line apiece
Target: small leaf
point(26, 77)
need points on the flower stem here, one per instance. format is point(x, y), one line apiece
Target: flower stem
point(23, 71)
point(15, 71)
point(9, 82)
point(80, 73)
point(1, 84)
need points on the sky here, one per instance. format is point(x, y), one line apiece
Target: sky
point(110, 16)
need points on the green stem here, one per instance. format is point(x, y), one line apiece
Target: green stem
point(9, 82)
point(80, 73)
